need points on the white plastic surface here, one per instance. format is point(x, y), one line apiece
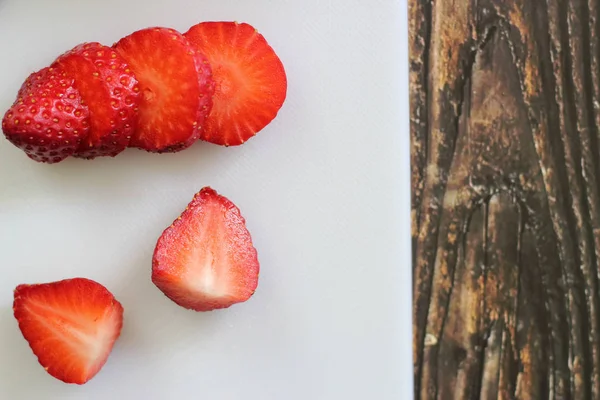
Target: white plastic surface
point(324, 189)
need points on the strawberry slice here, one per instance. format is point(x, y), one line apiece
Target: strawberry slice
point(71, 326)
point(110, 89)
point(251, 83)
point(177, 88)
point(205, 260)
point(48, 120)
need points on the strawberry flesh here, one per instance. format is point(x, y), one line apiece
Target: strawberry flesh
point(111, 91)
point(71, 326)
point(176, 85)
point(251, 83)
point(205, 260)
point(48, 120)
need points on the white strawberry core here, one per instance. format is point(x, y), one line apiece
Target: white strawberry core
point(202, 276)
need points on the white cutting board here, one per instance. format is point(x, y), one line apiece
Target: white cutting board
point(324, 188)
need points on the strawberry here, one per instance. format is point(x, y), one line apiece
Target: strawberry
point(48, 120)
point(177, 88)
point(110, 89)
point(71, 326)
point(251, 83)
point(205, 260)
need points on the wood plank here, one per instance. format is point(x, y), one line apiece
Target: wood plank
point(505, 158)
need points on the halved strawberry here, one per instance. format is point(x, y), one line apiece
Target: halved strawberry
point(71, 326)
point(110, 89)
point(251, 84)
point(176, 85)
point(48, 120)
point(205, 260)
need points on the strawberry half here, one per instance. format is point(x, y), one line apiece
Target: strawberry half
point(110, 89)
point(251, 84)
point(48, 120)
point(176, 85)
point(205, 260)
point(71, 326)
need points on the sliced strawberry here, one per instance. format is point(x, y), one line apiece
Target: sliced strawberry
point(205, 260)
point(251, 83)
point(48, 120)
point(110, 89)
point(71, 326)
point(176, 85)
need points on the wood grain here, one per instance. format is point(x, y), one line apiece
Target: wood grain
point(505, 110)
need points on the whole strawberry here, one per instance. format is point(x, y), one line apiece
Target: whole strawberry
point(48, 120)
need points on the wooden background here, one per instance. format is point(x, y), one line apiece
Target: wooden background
point(505, 110)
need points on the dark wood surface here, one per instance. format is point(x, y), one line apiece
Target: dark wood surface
point(505, 116)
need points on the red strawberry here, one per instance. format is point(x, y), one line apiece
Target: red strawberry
point(48, 120)
point(110, 89)
point(177, 88)
point(205, 260)
point(251, 83)
point(71, 326)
